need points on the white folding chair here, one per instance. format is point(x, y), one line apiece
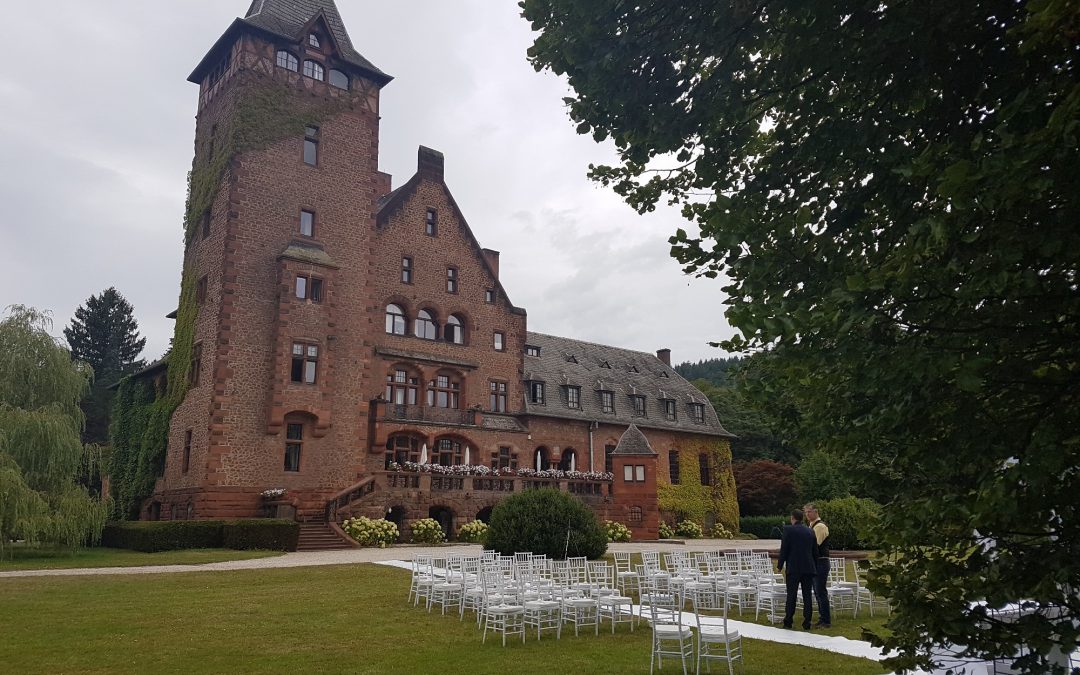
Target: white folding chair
point(713, 632)
point(669, 636)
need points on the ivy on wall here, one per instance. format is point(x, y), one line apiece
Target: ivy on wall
point(693, 501)
point(264, 112)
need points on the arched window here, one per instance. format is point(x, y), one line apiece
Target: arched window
point(455, 330)
point(448, 452)
point(395, 320)
point(296, 427)
point(314, 70)
point(569, 460)
point(287, 61)
point(425, 325)
point(402, 387)
point(338, 79)
point(635, 514)
point(542, 461)
point(444, 391)
point(313, 40)
point(401, 448)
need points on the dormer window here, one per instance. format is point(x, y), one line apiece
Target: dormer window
point(313, 40)
point(697, 412)
point(532, 351)
point(669, 409)
point(639, 405)
point(573, 398)
point(607, 402)
point(536, 393)
point(287, 61)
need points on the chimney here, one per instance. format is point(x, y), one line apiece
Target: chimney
point(429, 164)
point(665, 356)
point(383, 184)
point(492, 258)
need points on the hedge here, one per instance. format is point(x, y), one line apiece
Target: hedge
point(763, 527)
point(155, 536)
point(849, 520)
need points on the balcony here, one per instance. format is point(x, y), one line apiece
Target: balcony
point(589, 491)
point(420, 413)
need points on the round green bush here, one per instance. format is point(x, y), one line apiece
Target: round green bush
point(368, 532)
point(548, 522)
point(850, 522)
point(616, 531)
point(473, 532)
point(427, 531)
point(666, 531)
point(689, 529)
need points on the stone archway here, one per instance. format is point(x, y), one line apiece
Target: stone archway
point(445, 517)
point(396, 515)
point(484, 514)
point(568, 461)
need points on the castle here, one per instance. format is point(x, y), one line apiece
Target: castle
point(351, 342)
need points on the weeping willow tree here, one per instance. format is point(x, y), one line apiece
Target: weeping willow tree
point(41, 454)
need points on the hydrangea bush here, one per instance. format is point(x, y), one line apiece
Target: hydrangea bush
point(616, 531)
point(474, 532)
point(689, 529)
point(368, 532)
point(666, 532)
point(721, 532)
point(427, 531)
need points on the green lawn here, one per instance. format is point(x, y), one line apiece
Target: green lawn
point(41, 558)
point(342, 619)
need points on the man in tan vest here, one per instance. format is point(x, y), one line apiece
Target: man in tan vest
point(821, 579)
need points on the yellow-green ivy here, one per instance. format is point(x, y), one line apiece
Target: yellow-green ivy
point(692, 500)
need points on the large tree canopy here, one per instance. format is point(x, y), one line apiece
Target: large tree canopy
point(41, 456)
point(104, 334)
point(892, 190)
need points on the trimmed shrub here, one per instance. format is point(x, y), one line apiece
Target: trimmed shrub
point(427, 531)
point(154, 536)
point(548, 522)
point(689, 530)
point(616, 531)
point(265, 534)
point(368, 532)
point(666, 531)
point(850, 520)
point(764, 487)
point(473, 532)
point(763, 527)
point(721, 532)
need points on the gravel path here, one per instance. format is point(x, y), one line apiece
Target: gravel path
point(370, 555)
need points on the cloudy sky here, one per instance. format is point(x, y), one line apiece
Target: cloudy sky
point(96, 129)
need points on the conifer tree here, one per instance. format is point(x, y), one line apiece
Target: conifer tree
point(41, 457)
point(105, 335)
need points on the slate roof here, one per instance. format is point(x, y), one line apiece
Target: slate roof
point(564, 362)
point(287, 19)
point(633, 442)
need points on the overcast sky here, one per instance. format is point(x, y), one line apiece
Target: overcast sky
point(96, 138)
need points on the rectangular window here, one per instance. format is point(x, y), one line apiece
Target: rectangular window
point(573, 398)
point(628, 473)
point(311, 146)
point(697, 411)
point(536, 392)
point(186, 464)
point(639, 473)
point(307, 223)
point(669, 409)
point(609, 461)
point(673, 466)
point(639, 405)
point(305, 359)
point(500, 341)
point(505, 460)
point(489, 296)
point(301, 287)
point(206, 224)
point(451, 280)
point(406, 270)
point(634, 474)
point(315, 289)
point(294, 445)
point(532, 351)
point(196, 364)
point(498, 396)
point(431, 223)
point(705, 468)
point(607, 402)
point(200, 291)
point(309, 288)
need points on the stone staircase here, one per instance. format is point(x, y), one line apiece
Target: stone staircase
point(318, 536)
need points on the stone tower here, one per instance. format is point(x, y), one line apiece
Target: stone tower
point(273, 308)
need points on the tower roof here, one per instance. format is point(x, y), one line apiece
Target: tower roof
point(288, 19)
point(633, 442)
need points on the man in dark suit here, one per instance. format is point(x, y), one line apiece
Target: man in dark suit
point(799, 552)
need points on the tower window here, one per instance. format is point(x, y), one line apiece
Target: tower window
point(339, 79)
point(305, 359)
point(425, 325)
point(431, 223)
point(395, 320)
point(402, 387)
point(196, 365)
point(308, 288)
point(489, 296)
point(287, 61)
point(314, 70)
point(206, 224)
point(454, 330)
point(294, 445)
point(451, 280)
point(406, 270)
point(313, 40)
point(311, 146)
point(200, 291)
point(500, 341)
point(186, 464)
point(498, 396)
point(444, 392)
point(307, 222)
